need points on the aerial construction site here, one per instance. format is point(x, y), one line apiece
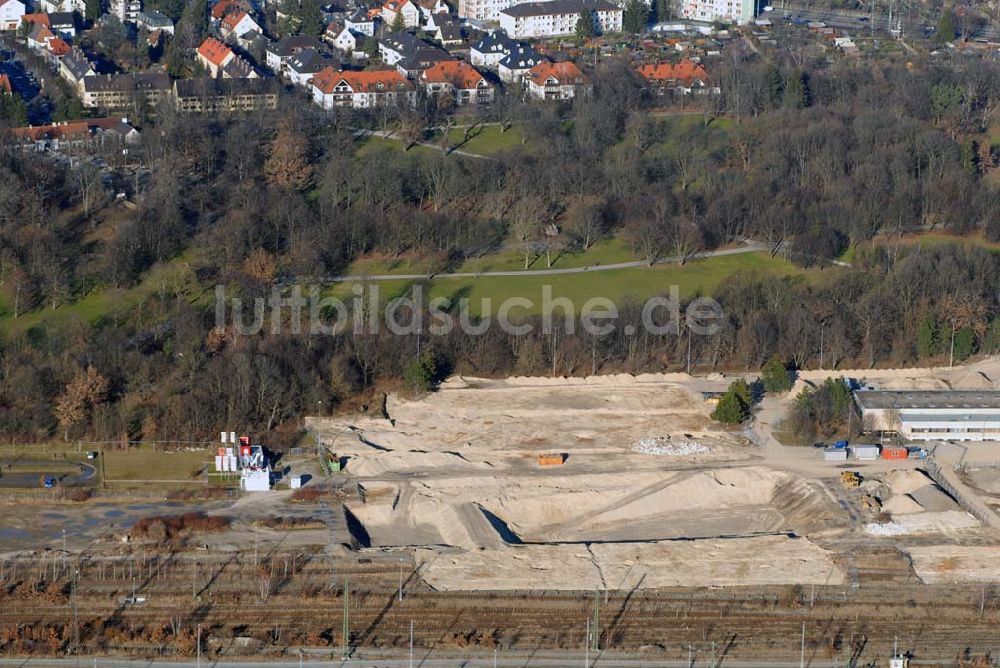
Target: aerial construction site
point(547, 520)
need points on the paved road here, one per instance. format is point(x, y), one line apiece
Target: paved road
point(912, 25)
point(12, 473)
point(748, 247)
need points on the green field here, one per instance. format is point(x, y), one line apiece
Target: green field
point(487, 140)
point(111, 305)
point(619, 285)
point(143, 462)
point(604, 252)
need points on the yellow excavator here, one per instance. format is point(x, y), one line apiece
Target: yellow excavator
point(850, 479)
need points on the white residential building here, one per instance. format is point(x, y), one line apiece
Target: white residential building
point(127, 11)
point(558, 17)
point(360, 22)
point(515, 66)
point(238, 23)
point(729, 11)
point(483, 10)
point(56, 6)
point(554, 81)
point(362, 90)
point(491, 49)
point(405, 8)
point(11, 13)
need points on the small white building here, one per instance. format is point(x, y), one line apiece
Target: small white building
point(558, 17)
point(11, 13)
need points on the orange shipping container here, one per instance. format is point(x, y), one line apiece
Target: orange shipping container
point(550, 460)
point(894, 452)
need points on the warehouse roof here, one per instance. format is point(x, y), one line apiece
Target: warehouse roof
point(928, 400)
point(911, 418)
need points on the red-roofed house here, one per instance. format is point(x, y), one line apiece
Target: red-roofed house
point(361, 90)
point(554, 81)
point(460, 80)
point(224, 7)
point(407, 8)
point(58, 47)
point(11, 14)
point(36, 18)
point(237, 24)
point(40, 37)
point(681, 78)
point(69, 135)
point(214, 55)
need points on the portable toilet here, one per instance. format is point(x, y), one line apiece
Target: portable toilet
point(295, 482)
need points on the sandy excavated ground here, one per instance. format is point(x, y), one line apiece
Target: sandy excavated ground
point(720, 562)
point(454, 476)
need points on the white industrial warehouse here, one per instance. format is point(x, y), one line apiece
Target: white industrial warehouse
point(932, 415)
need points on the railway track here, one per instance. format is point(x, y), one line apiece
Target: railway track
point(304, 605)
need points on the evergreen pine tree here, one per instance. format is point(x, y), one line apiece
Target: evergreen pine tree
point(775, 376)
point(928, 338)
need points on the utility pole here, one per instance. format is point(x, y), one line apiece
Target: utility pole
point(597, 620)
point(199, 645)
point(802, 656)
point(347, 616)
point(586, 647)
point(411, 643)
point(400, 579)
point(76, 621)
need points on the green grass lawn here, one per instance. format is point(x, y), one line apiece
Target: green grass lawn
point(143, 462)
point(488, 140)
point(604, 252)
point(619, 285)
point(174, 277)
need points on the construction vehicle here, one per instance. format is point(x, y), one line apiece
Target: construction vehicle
point(850, 479)
point(871, 504)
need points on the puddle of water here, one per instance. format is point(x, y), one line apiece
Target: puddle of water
point(14, 534)
point(114, 513)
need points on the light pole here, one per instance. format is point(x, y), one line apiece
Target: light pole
point(400, 579)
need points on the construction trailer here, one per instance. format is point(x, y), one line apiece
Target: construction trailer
point(835, 454)
point(865, 452)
